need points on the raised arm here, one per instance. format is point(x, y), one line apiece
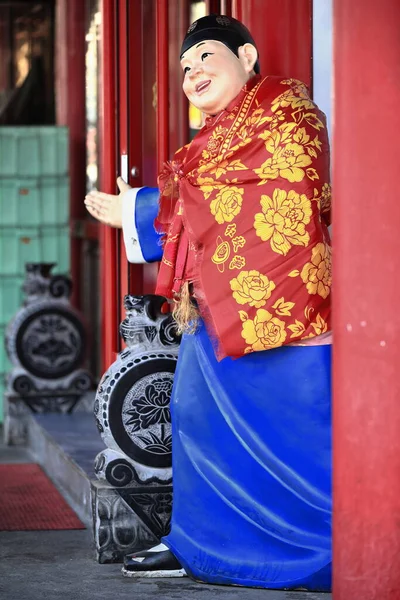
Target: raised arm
point(133, 210)
point(139, 209)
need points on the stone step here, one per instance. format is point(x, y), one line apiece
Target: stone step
point(65, 445)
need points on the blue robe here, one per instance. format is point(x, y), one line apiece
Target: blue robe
point(251, 459)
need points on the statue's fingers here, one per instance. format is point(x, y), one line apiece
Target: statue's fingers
point(95, 195)
point(122, 185)
point(95, 213)
point(97, 203)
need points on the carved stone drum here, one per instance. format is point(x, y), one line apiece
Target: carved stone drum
point(132, 410)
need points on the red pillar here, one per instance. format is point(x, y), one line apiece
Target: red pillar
point(162, 66)
point(108, 237)
point(283, 34)
point(366, 420)
point(70, 85)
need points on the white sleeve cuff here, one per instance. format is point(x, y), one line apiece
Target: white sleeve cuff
point(131, 237)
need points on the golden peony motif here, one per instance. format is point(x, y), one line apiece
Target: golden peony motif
point(326, 197)
point(265, 332)
point(228, 203)
point(215, 166)
point(317, 274)
point(320, 326)
point(251, 124)
point(207, 186)
point(283, 220)
point(251, 287)
point(287, 162)
point(215, 140)
point(275, 120)
point(296, 96)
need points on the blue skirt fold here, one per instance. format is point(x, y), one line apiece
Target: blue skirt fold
point(252, 466)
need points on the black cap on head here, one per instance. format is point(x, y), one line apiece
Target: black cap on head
point(221, 28)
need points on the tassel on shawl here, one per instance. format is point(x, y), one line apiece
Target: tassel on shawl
point(185, 313)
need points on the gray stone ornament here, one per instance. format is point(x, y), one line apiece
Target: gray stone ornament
point(46, 344)
point(132, 411)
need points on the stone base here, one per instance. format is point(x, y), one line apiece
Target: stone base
point(129, 519)
point(17, 410)
point(16, 416)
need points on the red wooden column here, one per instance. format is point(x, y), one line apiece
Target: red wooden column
point(366, 300)
point(108, 238)
point(283, 34)
point(162, 68)
point(70, 86)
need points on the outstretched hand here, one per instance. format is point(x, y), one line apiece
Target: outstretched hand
point(107, 208)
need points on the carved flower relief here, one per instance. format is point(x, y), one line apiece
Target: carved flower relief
point(283, 220)
point(228, 203)
point(251, 287)
point(159, 507)
point(153, 407)
point(264, 332)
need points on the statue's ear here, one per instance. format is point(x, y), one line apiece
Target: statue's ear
point(248, 56)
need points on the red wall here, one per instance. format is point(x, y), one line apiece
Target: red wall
point(282, 31)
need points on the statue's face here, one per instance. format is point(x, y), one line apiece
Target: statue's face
point(213, 75)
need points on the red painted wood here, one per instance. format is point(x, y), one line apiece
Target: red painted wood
point(237, 12)
point(178, 115)
point(70, 85)
point(213, 7)
point(149, 119)
point(162, 67)
point(108, 170)
point(226, 8)
point(134, 74)
point(123, 136)
point(366, 418)
point(283, 34)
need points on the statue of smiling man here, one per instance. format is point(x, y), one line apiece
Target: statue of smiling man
point(242, 213)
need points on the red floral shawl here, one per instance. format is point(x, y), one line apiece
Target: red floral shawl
point(246, 208)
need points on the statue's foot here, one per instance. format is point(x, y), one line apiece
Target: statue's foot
point(156, 562)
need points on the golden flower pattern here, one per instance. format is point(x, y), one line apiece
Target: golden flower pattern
point(252, 288)
point(326, 197)
point(283, 220)
point(287, 162)
point(317, 274)
point(227, 204)
point(290, 133)
point(264, 332)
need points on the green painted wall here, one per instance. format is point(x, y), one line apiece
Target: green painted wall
point(34, 213)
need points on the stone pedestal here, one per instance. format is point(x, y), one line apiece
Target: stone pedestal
point(46, 344)
point(132, 501)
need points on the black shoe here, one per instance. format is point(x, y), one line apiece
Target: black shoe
point(152, 564)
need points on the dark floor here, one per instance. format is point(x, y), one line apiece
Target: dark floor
point(49, 565)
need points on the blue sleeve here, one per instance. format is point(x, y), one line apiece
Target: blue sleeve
point(146, 210)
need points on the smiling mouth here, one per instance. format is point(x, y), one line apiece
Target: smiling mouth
point(202, 86)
